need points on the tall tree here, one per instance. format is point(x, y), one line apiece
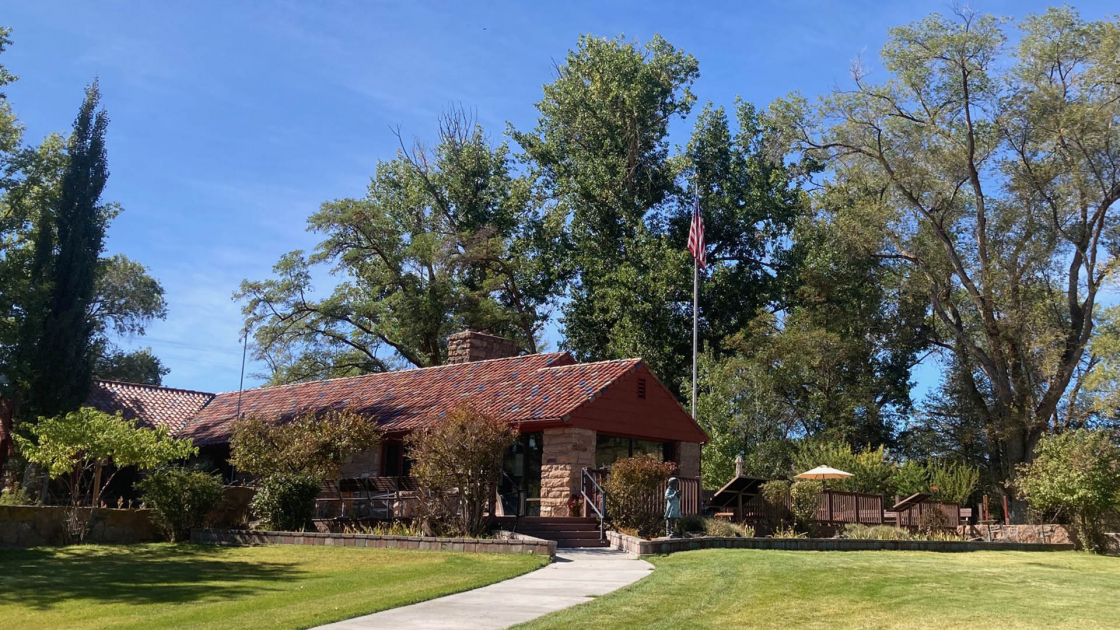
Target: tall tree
point(994, 184)
point(601, 154)
point(57, 337)
point(446, 239)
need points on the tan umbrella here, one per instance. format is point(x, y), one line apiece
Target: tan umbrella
point(822, 473)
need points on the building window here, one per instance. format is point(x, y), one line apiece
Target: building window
point(609, 449)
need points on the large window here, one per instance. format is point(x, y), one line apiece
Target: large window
point(609, 449)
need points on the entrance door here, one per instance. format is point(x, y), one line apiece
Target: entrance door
point(520, 486)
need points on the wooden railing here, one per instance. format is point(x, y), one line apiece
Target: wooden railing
point(689, 487)
point(912, 517)
point(373, 498)
point(835, 507)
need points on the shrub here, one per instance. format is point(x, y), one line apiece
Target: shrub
point(691, 523)
point(870, 468)
point(17, 497)
point(1076, 475)
point(180, 499)
point(632, 489)
point(933, 521)
point(727, 529)
point(804, 500)
point(457, 461)
point(312, 443)
point(77, 448)
point(286, 501)
point(955, 482)
point(877, 532)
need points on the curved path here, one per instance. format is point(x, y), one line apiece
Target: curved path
point(573, 578)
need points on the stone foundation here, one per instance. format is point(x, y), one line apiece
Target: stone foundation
point(567, 451)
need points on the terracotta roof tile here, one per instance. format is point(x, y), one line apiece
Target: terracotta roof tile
point(150, 405)
point(525, 388)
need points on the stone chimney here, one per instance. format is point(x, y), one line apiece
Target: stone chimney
point(470, 345)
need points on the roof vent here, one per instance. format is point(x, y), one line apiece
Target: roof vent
point(641, 388)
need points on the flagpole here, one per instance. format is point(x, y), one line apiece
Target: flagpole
point(695, 294)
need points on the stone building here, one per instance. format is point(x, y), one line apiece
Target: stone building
point(570, 415)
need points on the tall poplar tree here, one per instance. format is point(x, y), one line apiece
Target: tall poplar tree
point(57, 340)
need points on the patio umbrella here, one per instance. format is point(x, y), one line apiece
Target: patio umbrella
point(822, 473)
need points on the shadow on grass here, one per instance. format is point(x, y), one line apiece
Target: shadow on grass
point(43, 577)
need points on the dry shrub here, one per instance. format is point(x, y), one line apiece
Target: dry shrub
point(633, 493)
point(457, 461)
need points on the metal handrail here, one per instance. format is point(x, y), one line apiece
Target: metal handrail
point(601, 509)
point(517, 510)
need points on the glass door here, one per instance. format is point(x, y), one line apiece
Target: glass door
point(520, 487)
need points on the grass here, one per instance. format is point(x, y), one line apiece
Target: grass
point(194, 586)
point(723, 588)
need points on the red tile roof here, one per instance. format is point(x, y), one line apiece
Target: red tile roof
point(151, 406)
point(518, 389)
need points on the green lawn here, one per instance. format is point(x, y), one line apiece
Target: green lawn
point(189, 586)
point(720, 588)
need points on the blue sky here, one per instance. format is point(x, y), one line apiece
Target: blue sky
point(232, 121)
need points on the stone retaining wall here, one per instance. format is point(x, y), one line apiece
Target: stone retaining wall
point(642, 547)
point(506, 542)
point(1020, 533)
point(34, 526)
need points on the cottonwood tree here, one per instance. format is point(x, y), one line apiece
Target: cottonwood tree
point(447, 238)
point(600, 152)
point(994, 184)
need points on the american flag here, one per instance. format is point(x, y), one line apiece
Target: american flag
point(696, 236)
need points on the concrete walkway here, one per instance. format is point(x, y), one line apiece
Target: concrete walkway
point(573, 578)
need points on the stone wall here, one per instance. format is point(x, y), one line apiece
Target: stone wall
point(567, 450)
point(506, 542)
point(470, 346)
point(1020, 533)
point(34, 526)
point(641, 547)
point(688, 459)
point(365, 463)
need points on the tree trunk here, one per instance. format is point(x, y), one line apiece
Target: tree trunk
point(7, 446)
point(1018, 448)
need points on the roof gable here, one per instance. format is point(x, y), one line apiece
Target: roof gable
point(149, 405)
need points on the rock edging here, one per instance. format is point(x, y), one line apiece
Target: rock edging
point(506, 542)
point(641, 547)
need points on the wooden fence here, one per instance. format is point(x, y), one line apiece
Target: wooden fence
point(835, 507)
point(912, 516)
point(689, 487)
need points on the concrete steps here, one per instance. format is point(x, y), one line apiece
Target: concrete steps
point(567, 532)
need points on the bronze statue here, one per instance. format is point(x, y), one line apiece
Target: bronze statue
point(672, 505)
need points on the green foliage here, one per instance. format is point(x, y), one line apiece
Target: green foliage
point(444, 240)
point(138, 366)
point(180, 499)
point(775, 492)
point(870, 468)
point(312, 444)
point(804, 500)
point(286, 501)
point(1075, 475)
point(18, 496)
point(966, 170)
point(632, 488)
point(77, 448)
point(457, 461)
point(954, 482)
point(690, 523)
point(56, 342)
point(70, 446)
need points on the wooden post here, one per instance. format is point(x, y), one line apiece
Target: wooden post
point(1006, 513)
point(830, 519)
